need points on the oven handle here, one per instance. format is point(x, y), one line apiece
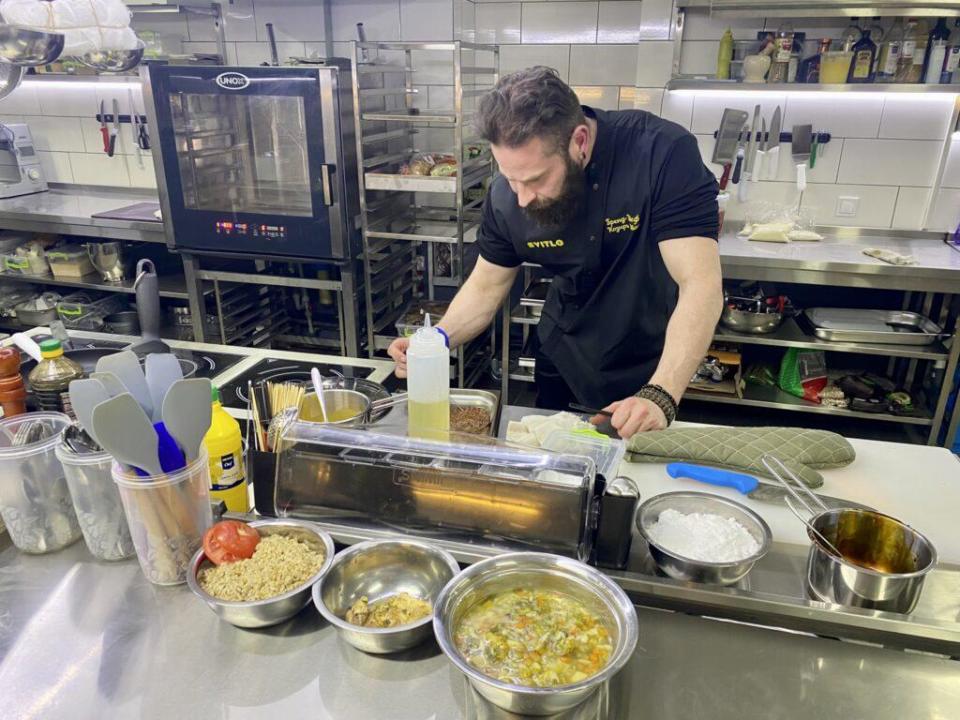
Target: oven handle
point(325, 170)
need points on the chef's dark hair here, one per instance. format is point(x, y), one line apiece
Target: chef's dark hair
point(530, 103)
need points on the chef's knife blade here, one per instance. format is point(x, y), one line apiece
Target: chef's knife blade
point(752, 145)
point(728, 138)
point(761, 152)
point(773, 145)
point(748, 485)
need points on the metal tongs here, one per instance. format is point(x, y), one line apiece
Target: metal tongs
point(776, 468)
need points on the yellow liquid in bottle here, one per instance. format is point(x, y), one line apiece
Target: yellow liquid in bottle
point(429, 420)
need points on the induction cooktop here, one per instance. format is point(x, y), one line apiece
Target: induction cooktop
point(234, 393)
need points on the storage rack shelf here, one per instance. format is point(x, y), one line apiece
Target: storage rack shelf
point(415, 227)
point(172, 287)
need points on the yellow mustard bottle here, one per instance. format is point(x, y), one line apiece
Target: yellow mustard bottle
point(224, 444)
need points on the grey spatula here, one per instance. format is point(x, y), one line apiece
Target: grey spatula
point(127, 434)
point(187, 410)
point(162, 371)
point(109, 381)
point(126, 366)
point(85, 395)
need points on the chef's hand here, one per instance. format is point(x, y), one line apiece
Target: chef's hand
point(633, 415)
point(398, 351)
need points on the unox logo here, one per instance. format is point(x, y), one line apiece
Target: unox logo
point(233, 81)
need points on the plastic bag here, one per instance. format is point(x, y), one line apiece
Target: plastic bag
point(803, 373)
point(87, 25)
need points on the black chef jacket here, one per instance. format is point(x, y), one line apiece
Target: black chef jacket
point(605, 317)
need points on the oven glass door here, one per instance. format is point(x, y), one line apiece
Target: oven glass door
point(244, 159)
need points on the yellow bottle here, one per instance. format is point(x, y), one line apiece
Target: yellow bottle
point(224, 444)
point(725, 56)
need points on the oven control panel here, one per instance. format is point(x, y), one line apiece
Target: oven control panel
point(252, 230)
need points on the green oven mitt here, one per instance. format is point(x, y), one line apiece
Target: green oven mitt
point(802, 451)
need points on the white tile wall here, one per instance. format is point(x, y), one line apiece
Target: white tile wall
point(678, 107)
point(559, 22)
point(517, 57)
point(911, 204)
point(293, 20)
point(951, 173)
point(849, 116)
point(239, 22)
point(700, 24)
point(699, 57)
point(22, 101)
point(141, 171)
point(603, 97)
point(380, 18)
point(426, 20)
point(498, 22)
point(916, 118)
point(875, 208)
point(65, 99)
point(656, 20)
point(254, 53)
point(765, 192)
point(603, 64)
point(889, 162)
point(98, 169)
point(945, 215)
point(56, 166)
point(57, 134)
point(634, 98)
point(618, 21)
point(654, 61)
point(708, 109)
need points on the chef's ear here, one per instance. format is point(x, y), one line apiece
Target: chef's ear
point(578, 143)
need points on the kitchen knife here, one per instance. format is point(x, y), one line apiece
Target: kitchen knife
point(800, 148)
point(761, 151)
point(115, 130)
point(748, 485)
point(104, 130)
point(728, 136)
point(741, 153)
point(773, 146)
point(135, 127)
point(751, 160)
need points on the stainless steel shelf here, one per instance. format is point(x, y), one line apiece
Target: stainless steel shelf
point(692, 84)
point(790, 334)
point(171, 286)
point(433, 116)
point(522, 315)
point(825, 8)
point(777, 399)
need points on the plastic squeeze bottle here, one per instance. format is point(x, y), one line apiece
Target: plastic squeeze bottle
point(428, 383)
point(224, 444)
point(725, 55)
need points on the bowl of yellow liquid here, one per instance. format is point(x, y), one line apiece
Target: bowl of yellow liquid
point(344, 407)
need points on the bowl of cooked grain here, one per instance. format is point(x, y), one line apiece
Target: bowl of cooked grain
point(274, 584)
point(379, 594)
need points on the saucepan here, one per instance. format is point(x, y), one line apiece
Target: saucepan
point(859, 557)
point(349, 408)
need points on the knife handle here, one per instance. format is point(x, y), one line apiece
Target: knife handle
point(111, 145)
point(738, 168)
point(745, 484)
point(105, 135)
point(755, 176)
point(725, 178)
point(773, 162)
point(801, 176)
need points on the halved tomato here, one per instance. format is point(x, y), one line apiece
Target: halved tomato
point(229, 541)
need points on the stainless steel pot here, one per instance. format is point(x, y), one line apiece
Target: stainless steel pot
point(882, 564)
point(536, 570)
point(363, 411)
point(107, 258)
point(750, 322)
point(23, 46)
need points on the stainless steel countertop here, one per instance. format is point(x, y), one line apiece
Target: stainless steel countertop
point(839, 260)
point(68, 209)
point(84, 639)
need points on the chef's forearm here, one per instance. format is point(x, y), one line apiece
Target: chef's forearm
point(475, 305)
point(689, 334)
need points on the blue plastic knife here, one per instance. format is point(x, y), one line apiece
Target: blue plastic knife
point(746, 484)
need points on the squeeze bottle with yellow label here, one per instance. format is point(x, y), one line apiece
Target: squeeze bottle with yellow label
point(224, 444)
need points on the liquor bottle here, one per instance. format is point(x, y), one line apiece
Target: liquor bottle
point(952, 59)
point(851, 35)
point(937, 43)
point(810, 68)
point(782, 51)
point(920, 52)
point(864, 53)
point(907, 50)
point(890, 52)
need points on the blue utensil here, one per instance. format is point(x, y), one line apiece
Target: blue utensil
point(171, 458)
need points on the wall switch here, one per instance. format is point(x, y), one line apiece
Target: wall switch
point(847, 206)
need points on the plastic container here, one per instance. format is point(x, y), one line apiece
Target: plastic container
point(96, 501)
point(35, 501)
point(224, 445)
point(167, 515)
point(50, 379)
point(70, 261)
point(86, 310)
point(428, 383)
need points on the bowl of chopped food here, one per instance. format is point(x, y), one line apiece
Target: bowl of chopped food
point(535, 633)
point(259, 573)
point(380, 594)
point(699, 537)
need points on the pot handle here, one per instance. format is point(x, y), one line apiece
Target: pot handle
point(148, 299)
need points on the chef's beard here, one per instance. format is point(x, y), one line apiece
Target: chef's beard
point(559, 211)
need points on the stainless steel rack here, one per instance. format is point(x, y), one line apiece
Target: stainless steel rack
point(413, 224)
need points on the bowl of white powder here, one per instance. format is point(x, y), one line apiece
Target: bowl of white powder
point(700, 537)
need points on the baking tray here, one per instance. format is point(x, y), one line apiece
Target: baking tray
point(410, 183)
point(489, 401)
point(892, 327)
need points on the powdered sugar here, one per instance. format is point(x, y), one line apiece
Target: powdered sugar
point(702, 536)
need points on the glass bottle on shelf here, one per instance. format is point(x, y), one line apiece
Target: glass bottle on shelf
point(890, 51)
point(810, 68)
point(851, 36)
point(864, 53)
point(907, 50)
point(937, 42)
point(725, 55)
point(922, 31)
point(782, 51)
point(952, 59)
point(878, 35)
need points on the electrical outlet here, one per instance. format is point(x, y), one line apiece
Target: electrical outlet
point(847, 206)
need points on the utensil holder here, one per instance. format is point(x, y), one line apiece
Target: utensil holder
point(97, 503)
point(167, 515)
point(262, 472)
